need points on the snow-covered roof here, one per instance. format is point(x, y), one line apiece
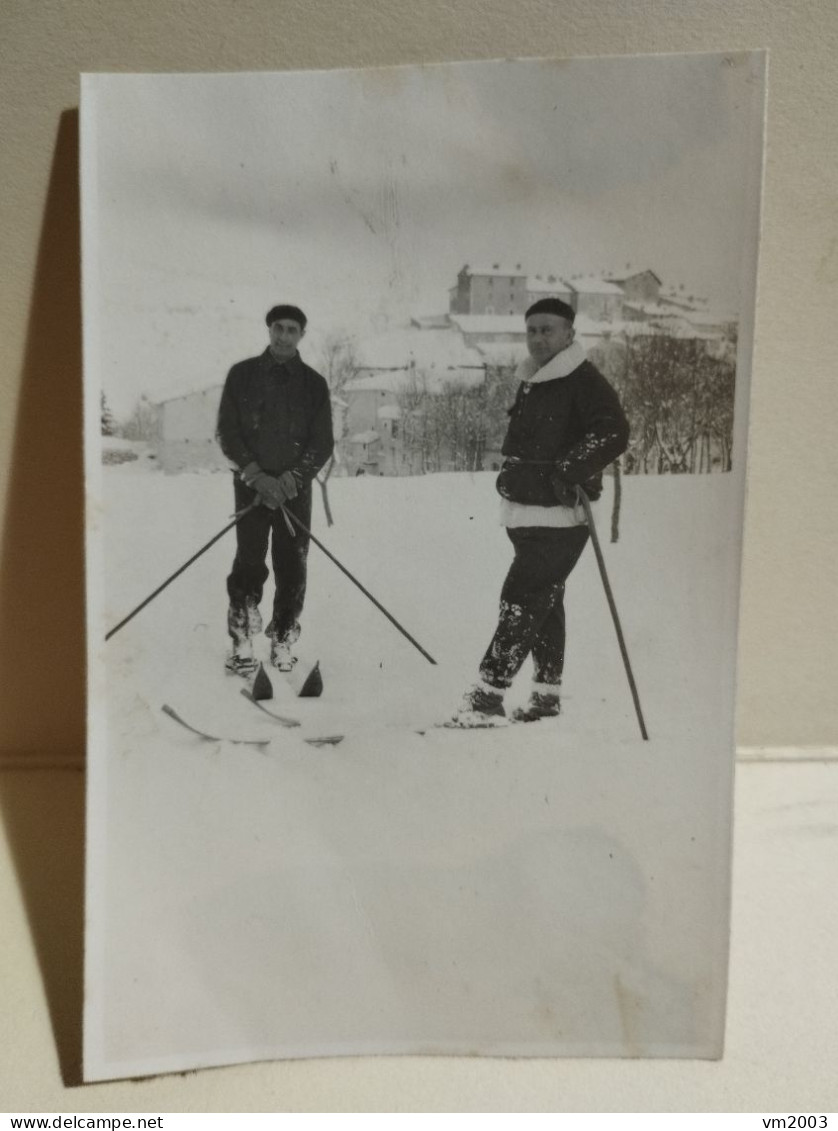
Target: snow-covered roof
point(426, 349)
point(431, 322)
point(680, 297)
point(489, 323)
point(635, 275)
point(514, 270)
point(595, 287)
point(656, 309)
point(368, 437)
point(400, 380)
point(536, 284)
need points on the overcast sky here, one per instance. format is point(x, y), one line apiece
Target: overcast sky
point(358, 195)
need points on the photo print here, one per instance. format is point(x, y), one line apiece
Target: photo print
point(416, 416)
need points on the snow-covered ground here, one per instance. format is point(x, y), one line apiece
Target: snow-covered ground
point(560, 888)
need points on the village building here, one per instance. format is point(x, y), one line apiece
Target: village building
point(597, 299)
point(185, 433)
point(548, 286)
point(642, 286)
point(497, 329)
point(395, 372)
point(489, 290)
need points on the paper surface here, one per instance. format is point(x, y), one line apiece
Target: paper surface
point(554, 889)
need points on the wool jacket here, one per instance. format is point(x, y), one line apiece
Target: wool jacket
point(278, 415)
point(565, 427)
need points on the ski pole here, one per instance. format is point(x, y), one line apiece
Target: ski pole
point(586, 503)
point(290, 515)
point(236, 517)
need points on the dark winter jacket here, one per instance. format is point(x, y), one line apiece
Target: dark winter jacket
point(562, 432)
point(278, 415)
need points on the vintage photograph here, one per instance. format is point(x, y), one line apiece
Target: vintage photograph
point(416, 429)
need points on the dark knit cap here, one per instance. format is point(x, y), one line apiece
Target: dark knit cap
point(552, 306)
point(285, 311)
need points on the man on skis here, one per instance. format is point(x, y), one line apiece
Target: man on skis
point(565, 427)
point(275, 426)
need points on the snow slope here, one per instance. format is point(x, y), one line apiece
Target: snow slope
point(559, 888)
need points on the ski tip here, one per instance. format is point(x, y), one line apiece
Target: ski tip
point(313, 686)
point(261, 688)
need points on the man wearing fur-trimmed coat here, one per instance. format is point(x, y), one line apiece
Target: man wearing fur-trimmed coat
point(565, 427)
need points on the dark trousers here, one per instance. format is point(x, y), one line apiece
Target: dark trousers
point(532, 618)
point(289, 557)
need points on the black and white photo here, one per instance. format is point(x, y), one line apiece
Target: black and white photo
point(416, 429)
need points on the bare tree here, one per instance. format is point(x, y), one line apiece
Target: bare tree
point(338, 360)
point(338, 363)
point(679, 401)
point(419, 430)
point(144, 421)
point(453, 427)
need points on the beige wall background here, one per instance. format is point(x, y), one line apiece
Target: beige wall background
point(789, 623)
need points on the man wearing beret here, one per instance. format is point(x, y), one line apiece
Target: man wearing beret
point(565, 427)
point(275, 426)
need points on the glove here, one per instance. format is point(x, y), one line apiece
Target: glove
point(268, 488)
point(288, 483)
point(250, 473)
point(566, 493)
point(273, 490)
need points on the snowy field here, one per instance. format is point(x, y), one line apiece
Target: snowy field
point(553, 889)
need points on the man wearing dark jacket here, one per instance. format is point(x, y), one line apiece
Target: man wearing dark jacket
point(565, 427)
point(275, 426)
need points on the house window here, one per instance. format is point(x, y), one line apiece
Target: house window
point(394, 429)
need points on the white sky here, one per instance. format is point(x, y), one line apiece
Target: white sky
point(358, 195)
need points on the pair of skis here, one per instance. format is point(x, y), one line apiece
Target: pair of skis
point(325, 740)
point(259, 690)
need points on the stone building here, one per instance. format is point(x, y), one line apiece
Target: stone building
point(186, 432)
point(489, 290)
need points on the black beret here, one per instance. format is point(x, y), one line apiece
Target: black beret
point(284, 311)
point(552, 306)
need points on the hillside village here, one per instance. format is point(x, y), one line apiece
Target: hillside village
point(431, 394)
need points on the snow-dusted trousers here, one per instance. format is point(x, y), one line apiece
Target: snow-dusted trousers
point(532, 618)
point(289, 558)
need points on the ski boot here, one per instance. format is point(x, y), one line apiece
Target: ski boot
point(543, 703)
point(241, 660)
point(282, 658)
point(243, 623)
point(481, 706)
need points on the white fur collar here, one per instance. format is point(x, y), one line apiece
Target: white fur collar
point(562, 365)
